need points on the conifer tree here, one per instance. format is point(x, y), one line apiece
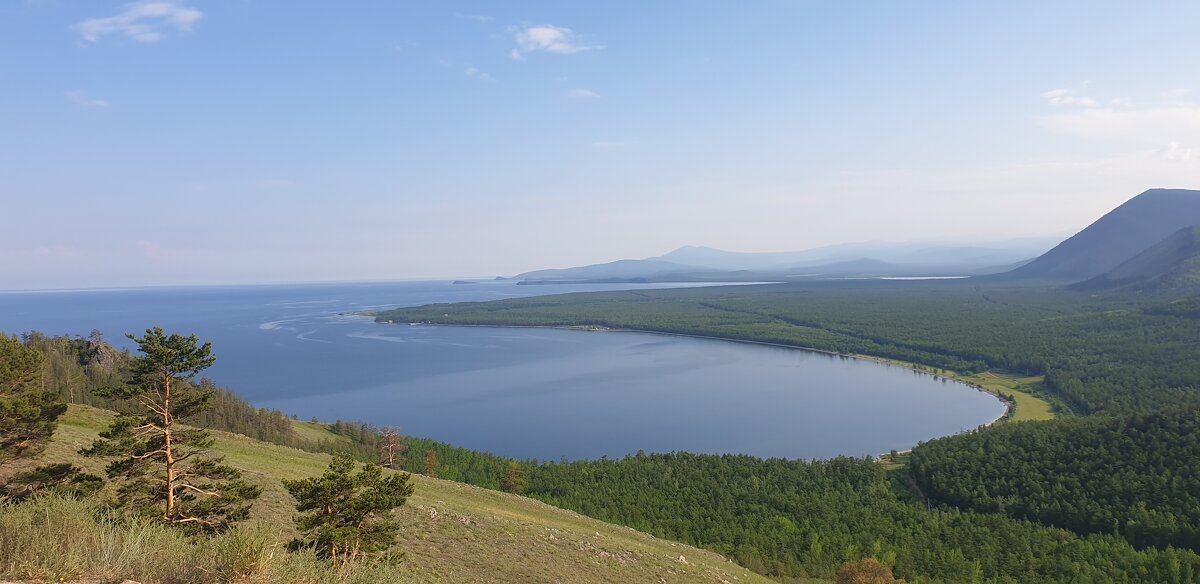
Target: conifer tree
point(513, 480)
point(28, 416)
point(868, 571)
point(431, 466)
point(348, 515)
point(393, 453)
point(164, 468)
point(28, 412)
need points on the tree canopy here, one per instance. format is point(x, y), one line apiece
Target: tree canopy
point(27, 411)
point(163, 467)
point(347, 514)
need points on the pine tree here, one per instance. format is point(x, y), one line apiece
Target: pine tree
point(164, 468)
point(514, 479)
point(868, 571)
point(392, 452)
point(347, 515)
point(431, 464)
point(28, 413)
point(28, 416)
point(62, 478)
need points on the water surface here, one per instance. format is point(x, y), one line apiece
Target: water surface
point(530, 393)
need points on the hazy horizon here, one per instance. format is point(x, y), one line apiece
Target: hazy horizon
point(173, 142)
point(1007, 243)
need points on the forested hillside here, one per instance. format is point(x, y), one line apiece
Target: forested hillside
point(793, 518)
point(1133, 476)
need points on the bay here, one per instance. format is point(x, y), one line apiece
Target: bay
point(528, 393)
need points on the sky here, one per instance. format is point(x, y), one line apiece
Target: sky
point(164, 142)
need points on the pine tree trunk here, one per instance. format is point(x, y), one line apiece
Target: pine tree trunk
point(167, 448)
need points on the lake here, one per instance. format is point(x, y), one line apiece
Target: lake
point(527, 393)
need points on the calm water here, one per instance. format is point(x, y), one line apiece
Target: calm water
point(522, 392)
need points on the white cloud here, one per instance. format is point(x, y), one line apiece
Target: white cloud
point(1171, 127)
point(1067, 97)
point(1155, 124)
point(550, 39)
point(145, 21)
point(582, 93)
point(1178, 153)
point(81, 99)
point(474, 73)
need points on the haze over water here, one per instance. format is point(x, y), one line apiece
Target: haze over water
point(530, 393)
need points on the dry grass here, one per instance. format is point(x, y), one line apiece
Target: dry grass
point(53, 538)
point(452, 533)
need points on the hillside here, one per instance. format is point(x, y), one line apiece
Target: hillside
point(1004, 470)
point(453, 532)
point(1172, 263)
point(1115, 238)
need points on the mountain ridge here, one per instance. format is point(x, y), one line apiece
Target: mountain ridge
point(1114, 238)
point(1171, 263)
point(692, 263)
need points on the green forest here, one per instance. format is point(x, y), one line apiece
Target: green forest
point(1133, 476)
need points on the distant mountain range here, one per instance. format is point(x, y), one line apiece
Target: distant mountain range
point(1149, 243)
point(869, 259)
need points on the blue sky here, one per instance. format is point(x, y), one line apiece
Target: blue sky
point(172, 142)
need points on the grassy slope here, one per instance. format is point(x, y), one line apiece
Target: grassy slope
point(1028, 405)
point(455, 532)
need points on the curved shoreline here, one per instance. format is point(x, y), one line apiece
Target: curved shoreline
point(1008, 412)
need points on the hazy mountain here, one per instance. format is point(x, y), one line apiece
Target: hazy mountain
point(732, 260)
point(1170, 264)
point(918, 254)
point(875, 258)
point(856, 267)
point(1116, 237)
point(617, 269)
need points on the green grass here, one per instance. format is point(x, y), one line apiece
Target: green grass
point(452, 532)
point(315, 432)
point(1029, 406)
